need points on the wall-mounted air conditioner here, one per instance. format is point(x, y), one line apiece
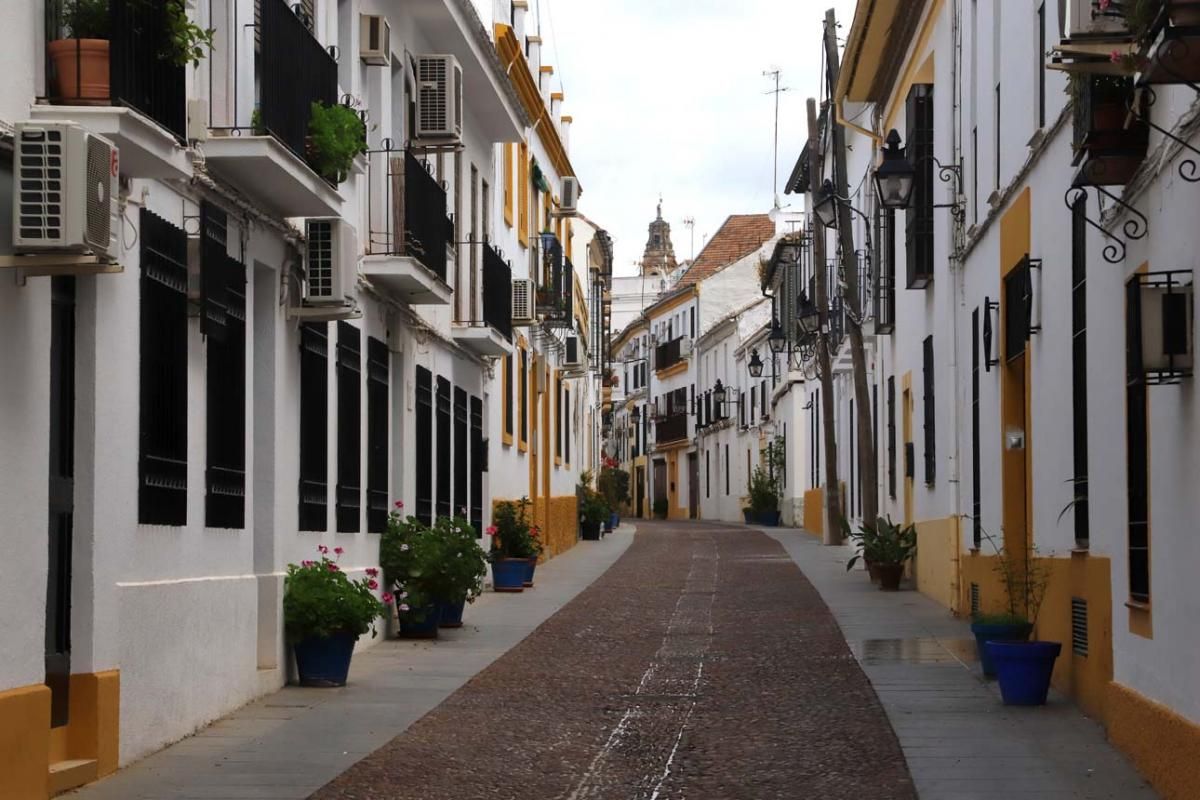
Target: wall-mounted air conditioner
point(572, 353)
point(330, 261)
point(524, 302)
point(439, 99)
point(570, 194)
point(64, 190)
point(375, 45)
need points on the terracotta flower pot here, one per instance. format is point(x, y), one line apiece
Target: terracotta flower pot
point(80, 68)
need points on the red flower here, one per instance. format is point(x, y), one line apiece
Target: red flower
point(338, 550)
point(399, 504)
point(372, 584)
point(387, 597)
point(492, 530)
point(333, 567)
point(322, 549)
point(372, 572)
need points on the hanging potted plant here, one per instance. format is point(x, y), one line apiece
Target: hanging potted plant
point(512, 547)
point(411, 556)
point(336, 135)
point(79, 60)
point(888, 546)
point(324, 613)
point(458, 574)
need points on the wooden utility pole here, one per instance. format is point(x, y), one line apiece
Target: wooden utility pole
point(833, 504)
point(867, 457)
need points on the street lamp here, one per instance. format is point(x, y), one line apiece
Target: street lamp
point(808, 317)
point(825, 204)
point(777, 340)
point(719, 393)
point(756, 365)
point(894, 177)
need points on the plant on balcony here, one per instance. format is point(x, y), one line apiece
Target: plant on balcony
point(336, 135)
point(80, 59)
point(186, 42)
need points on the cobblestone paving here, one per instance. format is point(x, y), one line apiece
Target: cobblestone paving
point(701, 665)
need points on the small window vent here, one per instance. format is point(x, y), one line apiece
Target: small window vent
point(1079, 626)
point(974, 599)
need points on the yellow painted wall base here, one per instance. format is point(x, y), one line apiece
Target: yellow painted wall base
point(814, 507)
point(25, 742)
point(936, 564)
point(1164, 746)
point(559, 522)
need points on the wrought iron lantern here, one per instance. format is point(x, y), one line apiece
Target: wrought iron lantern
point(756, 365)
point(894, 177)
point(825, 204)
point(777, 340)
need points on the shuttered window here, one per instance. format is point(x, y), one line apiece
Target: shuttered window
point(377, 435)
point(566, 421)
point(424, 450)
point(162, 373)
point(314, 417)
point(478, 464)
point(1137, 449)
point(919, 144)
point(461, 445)
point(443, 447)
point(891, 436)
point(1079, 399)
point(524, 410)
point(930, 413)
point(349, 428)
point(225, 394)
point(508, 397)
point(976, 476)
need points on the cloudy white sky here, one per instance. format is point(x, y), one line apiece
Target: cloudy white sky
point(669, 97)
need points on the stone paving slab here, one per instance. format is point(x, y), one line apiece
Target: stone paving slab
point(960, 742)
point(290, 743)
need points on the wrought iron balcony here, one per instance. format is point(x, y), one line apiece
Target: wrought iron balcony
point(411, 221)
point(295, 71)
point(497, 292)
point(1110, 143)
point(671, 428)
point(668, 354)
point(556, 283)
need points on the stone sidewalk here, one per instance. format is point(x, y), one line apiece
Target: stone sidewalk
point(288, 744)
point(960, 742)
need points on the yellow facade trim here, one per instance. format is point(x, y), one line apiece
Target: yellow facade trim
point(25, 742)
point(936, 565)
point(513, 58)
point(678, 368)
point(1161, 743)
point(508, 184)
point(814, 511)
point(523, 194)
point(1015, 384)
point(670, 303)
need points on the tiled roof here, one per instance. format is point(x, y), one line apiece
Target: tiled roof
point(740, 235)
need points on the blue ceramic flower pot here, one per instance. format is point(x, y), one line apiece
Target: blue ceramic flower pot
point(325, 661)
point(529, 573)
point(1024, 670)
point(1012, 632)
point(425, 628)
point(614, 521)
point(450, 614)
point(768, 519)
point(508, 575)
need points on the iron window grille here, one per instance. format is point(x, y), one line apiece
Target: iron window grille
point(479, 464)
point(919, 217)
point(461, 448)
point(378, 380)
point(930, 448)
point(424, 450)
point(349, 428)
point(314, 420)
point(442, 409)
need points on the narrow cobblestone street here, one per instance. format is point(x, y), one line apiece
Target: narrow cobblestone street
point(701, 665)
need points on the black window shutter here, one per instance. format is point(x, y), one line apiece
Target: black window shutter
point(976, 468)
point(162, 417)
point(225, 390)
point(214, 300)
point(566, 422)
point(460, 453)
point(377, 435)
point(509, 389)
point(558, 417)
point(1079, 368)
point(1137, 449)
point(424, 452)
point(524, 411)
point(314, 419)
point(919, 143)
point(349, 431)
point(478, 464)
point(891, 436)
point(443, 446)
point(930, 413)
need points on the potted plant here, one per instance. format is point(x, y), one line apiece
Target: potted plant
point(411, 556)
point(614, 485)
point(1012, 624)
point(512, 546)
point(458, 575)
point(764, 498)
point(336, 135)
point(660, 508)
point(593, 511)
point(79, 60)
point(185, 42)
point(324, 613)
point(864, 540)
point(888, 546)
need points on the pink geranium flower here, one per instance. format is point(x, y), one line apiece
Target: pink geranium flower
point(492, 530)
point(338, 550)
point(399, 504)
point(372, 572)
point(322, 549)
point(387, 598)
point(333, 567)
point(372, 584)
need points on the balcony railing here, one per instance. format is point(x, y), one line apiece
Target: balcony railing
point(295, 71)
point(556, 284)
point(668, 354)
point(411, 221)
point(1109, 148)
point(497, 292)
point(672, 428)
point(139, 77)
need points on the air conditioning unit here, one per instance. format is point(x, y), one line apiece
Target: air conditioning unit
point(685, 347)
point(439, 99)
point(1084, 19)
point(573, 355)
point(375, 40)
point(1167, 343)
point(524, 302)
point(570, 194)
point(64, 190)
point(330, 261)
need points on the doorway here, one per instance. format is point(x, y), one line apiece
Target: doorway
point(693, 486)
point(639, 491)
point(660, 484)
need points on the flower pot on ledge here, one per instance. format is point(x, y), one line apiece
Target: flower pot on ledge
point(81, 69)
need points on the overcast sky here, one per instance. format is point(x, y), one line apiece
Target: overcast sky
point(669, 97)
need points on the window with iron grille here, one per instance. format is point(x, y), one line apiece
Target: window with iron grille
point(976, 470)
point(377, 435)
point(1018, 308)
point(567, 422)
point(726, 470)
point(461, 465)
point(223, 320)
point(443, 445)
point(162, 368)
point(558, 417)
point(885, 270)
point(524, 411)
point(1137, 447)
point(891, 436)
point(930, 413)
point(349, 428)
point(919, 143)
point(478, 464)
point(424, 449)
point(314, 417)
point(707, 473)
point(1079, 626)
point(1079, 397)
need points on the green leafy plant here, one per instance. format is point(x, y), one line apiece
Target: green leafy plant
point(186, 42)
point(411, 556)
point(336, 136)
point(511, 534)
point(882, 542)
point(1025, 576)
point(86, 19)
point(614, 485)
point(319, 599)
point(764, 491)
point(457, 575)
point(257, 127)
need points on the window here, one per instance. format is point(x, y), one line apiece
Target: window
point(726, 470)
point(976, 477)
point(566, 421)
point(314, 419)
point(762, 398)
point(424, 449)
point(1018, 309)
point(508, 184)
point(707, 473)
point(523, 200)
point(885, 277)
point(1041, 66)
point(349, 427)
point(975, 175)
point(162, 374)
point(996, 133)
point(692, 318)
point(377, 435)
point(1079, 396)
point(930, 413)
point(461, 445)
point(891, 436)
point(558, 411)
point(919, 231)
point(1137, 446)
point(478, 464)
point(443, 447)
point(223, 320)
point(507, 379)
point(524, 401)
